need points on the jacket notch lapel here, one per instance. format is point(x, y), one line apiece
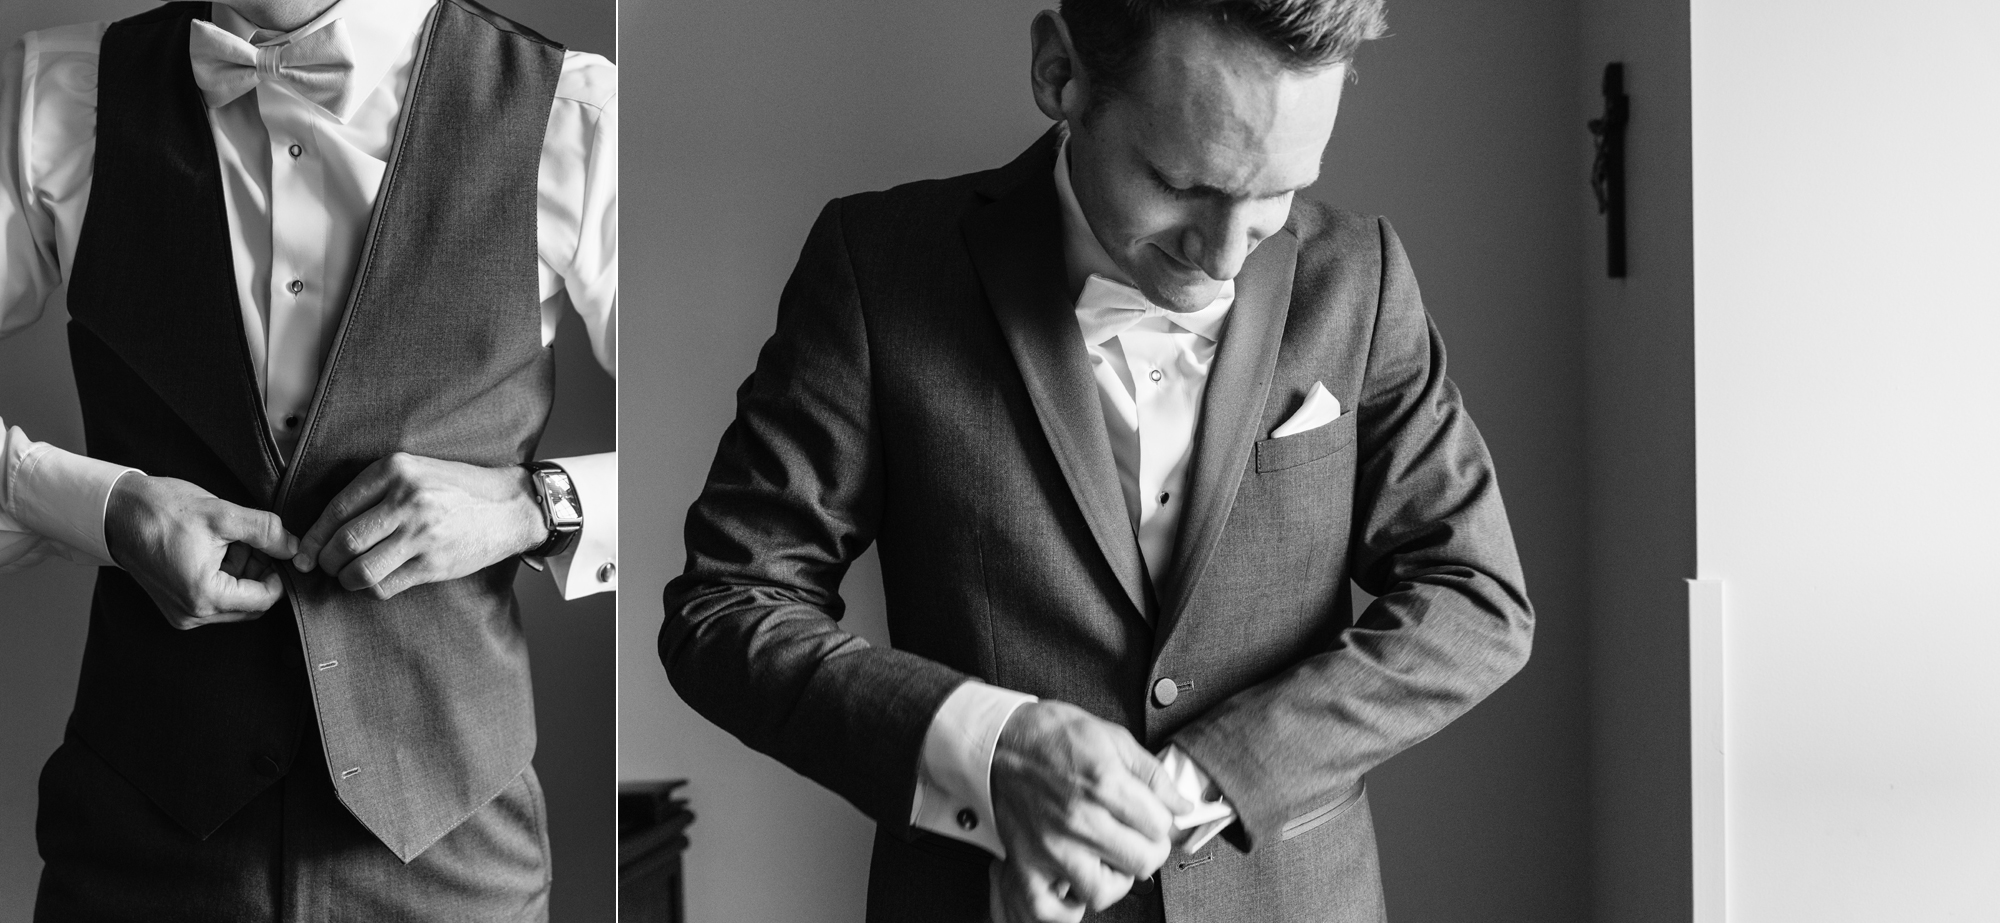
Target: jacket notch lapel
point(1232, 413)
point(1016, 246)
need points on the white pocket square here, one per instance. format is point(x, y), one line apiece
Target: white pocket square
point(1319, 409)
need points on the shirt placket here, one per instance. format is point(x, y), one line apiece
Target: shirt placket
point(298, 293)
point(1165, 433)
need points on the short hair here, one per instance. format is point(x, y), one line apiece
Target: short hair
point(1111, 36)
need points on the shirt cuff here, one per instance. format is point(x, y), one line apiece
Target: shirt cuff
point(58, 495)
point(591, 563)
point(1209, 815)
point(955, 773)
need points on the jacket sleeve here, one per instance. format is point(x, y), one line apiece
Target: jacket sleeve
point(1451, 619)
point(751, 638)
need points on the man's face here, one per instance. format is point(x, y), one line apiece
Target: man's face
point(1195, 162)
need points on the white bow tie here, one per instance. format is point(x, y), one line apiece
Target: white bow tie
point(1107, 309)
point(317, 66)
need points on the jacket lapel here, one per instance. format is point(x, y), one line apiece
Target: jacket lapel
point(1232, 412)
point(1016, 246)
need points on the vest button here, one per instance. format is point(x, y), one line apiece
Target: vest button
point(1165, 693)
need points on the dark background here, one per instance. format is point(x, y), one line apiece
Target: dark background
point(43, 610)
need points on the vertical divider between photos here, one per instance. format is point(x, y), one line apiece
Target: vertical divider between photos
point(1709, 803)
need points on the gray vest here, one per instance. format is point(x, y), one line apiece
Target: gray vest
point(422, 701)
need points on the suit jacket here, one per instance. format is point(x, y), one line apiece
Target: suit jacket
point(927, 389)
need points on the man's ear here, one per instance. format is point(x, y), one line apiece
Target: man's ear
point(1054, 71)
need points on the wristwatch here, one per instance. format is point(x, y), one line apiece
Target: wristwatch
point(562, 512)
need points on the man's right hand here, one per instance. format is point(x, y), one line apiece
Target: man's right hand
point(1081, 811)
point(202, 559)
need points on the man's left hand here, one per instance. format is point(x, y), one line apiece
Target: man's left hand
point(409, 520)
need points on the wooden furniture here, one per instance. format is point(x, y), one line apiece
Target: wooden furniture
point(652, 835)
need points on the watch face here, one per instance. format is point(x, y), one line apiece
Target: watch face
point(560, 496)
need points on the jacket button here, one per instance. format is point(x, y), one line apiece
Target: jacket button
point(267, 766)
point(1165, 693)
point(1145, 886)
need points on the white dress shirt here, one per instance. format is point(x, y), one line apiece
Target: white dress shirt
point(1152, 366)
point(299, 186)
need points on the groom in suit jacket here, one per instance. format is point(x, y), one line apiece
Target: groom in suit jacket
point(1125, 418)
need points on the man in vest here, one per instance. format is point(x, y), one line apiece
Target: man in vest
point(315, 253)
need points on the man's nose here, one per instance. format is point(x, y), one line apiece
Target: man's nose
point(1219, 245)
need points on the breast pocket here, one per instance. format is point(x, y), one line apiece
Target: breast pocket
point(1311, 445)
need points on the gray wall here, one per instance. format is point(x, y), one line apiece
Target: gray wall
point(1465, 129)
point(44, 608)
point(1641, 519)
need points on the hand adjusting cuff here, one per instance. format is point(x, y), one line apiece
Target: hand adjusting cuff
point(562, 512)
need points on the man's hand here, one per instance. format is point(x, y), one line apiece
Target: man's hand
point(409, 520)
point(1081, 810)
point(202, 559)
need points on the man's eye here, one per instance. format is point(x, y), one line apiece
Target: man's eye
point(1170, 189)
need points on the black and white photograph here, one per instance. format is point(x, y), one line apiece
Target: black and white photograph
point(310, 310)
point(1138, 461)
point(1499, 461)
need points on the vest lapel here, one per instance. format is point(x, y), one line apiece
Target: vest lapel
point(185, 339)
point(1232, 410)
point(1016, 246)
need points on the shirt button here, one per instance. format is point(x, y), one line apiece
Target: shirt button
point(1163, 498)
point(297, 151)
point(295, 286)
point(966, 819)
point(291, 421)
point(1165, 692)
point(1156, 376)
point(605, 572)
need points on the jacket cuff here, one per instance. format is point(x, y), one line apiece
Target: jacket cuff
point(1235, 768)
